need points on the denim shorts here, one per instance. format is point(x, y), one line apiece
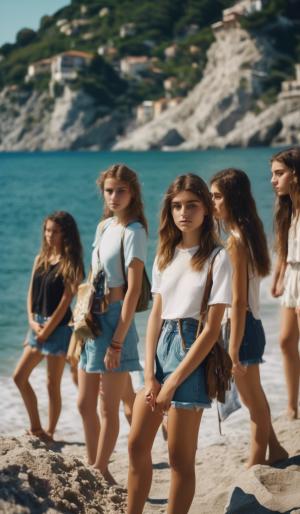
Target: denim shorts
point(191, 394)
point(253, 342)
point(93, 352)
point(56, 344)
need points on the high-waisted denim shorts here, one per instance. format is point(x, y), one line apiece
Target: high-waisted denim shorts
point(93, 352)
point(191, 394)
point(56, 344)
point(254, 341)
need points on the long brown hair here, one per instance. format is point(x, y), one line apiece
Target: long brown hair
point(240, 205)
point(71, 263)
point(170, 235)
point(135, 210)
point(285, 205)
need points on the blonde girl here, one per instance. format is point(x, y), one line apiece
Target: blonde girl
point(235, 208)
point(285, 168)
point(105, 362)
point(174, 367)
point(57, 271)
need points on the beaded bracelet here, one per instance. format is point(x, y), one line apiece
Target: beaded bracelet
point(111, 347)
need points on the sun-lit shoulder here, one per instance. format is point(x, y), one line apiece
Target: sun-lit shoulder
point(236, 249)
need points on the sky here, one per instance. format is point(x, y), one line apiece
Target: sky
point(17, 14)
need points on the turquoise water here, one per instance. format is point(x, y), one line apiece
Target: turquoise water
point(33, 185)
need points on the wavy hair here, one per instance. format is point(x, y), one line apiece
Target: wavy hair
point(170, 236)
point(240, 205)
point(285, 205)
point(122, 173)
point(71, 263)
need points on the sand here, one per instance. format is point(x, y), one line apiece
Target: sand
point(36, 478)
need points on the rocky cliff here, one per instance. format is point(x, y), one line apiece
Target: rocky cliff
point(71, 121)
point(222, 110)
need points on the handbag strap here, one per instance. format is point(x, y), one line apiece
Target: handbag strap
point(207, 290)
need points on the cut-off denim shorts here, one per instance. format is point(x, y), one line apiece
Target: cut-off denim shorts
point(253, 343)
point(56, 344)
point(192, 393)
point(94, 350)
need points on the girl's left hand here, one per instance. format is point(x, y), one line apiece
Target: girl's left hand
point(40, 335)
point(112, 359)
point(164, 397)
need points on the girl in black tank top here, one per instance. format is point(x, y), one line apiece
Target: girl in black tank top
point(57, 271)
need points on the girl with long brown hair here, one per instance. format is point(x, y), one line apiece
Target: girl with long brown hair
point(57, 271)
point(235, 210)
point(187, 243)
point(285, 168)
point(106, 361)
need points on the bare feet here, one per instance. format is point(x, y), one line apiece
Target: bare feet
point(40, 434)
point(292, 414)
point(107, 476)
point(277, 455)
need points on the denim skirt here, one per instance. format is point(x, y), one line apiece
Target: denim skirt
point(192, 393)
point(94, 350)
point(56, 344)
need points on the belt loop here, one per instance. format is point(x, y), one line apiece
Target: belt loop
point(179, 321)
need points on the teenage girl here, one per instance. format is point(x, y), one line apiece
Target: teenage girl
point(285, 167)
point(187, 242)
point(106, 361)
point(57, 271)
point(235, 208)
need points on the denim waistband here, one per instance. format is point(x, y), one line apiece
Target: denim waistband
point(173, 324)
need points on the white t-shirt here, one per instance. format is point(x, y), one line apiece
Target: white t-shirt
point(107, 246)
point(181, 288)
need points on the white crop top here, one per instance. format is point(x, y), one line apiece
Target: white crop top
point(107, 245)
point(293, 256)
point(181, 288)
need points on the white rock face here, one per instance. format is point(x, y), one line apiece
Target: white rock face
point(217, 112)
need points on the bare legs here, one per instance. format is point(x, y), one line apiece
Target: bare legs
point(262, 432)
point(289, 340)
point(101, 437)
point(29, 360)
point(183, 427)
point(111, 390)
point(55, 368)
point(89, 384)
point(128, 398)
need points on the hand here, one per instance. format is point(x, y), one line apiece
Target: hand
point(277, 289)
point(35, 326)
point(152, 388)
point(112, 359)
point(41, 335)
point(164, 397)
point(238, 369)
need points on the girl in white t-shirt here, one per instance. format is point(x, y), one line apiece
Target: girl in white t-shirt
point(187, 242)
point(235, 207)
point(285, 168)
point(106, 361)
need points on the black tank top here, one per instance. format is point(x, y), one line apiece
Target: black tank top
point(47, 291)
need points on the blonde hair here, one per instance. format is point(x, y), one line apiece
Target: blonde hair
point(170, 235)
point(135, 210)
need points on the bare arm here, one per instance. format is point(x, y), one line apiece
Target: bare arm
point(194, 357)
point(135, 275)
point(277, 279)
point(154, 325)
point(239, 260)
point(32, 323)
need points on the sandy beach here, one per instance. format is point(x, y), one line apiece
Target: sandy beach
point(36, 478)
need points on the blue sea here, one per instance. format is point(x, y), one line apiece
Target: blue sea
point(33, 185)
